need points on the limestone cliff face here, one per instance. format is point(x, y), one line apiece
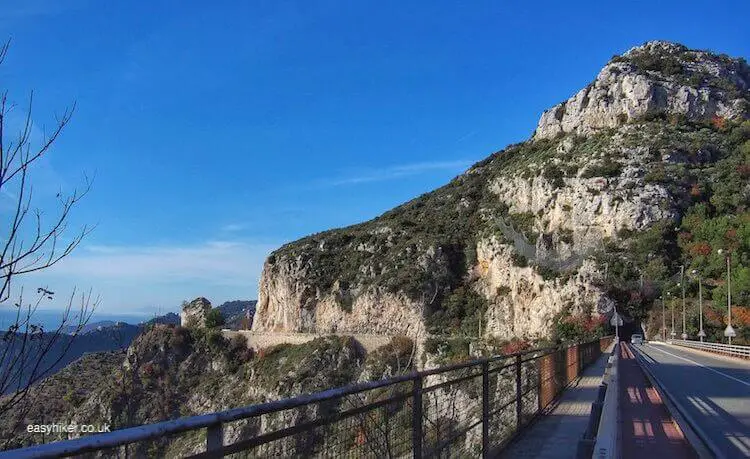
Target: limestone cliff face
point(658, 77)
point(521, 228)
point(522, 303)
point(287, 302)
point(593, 208)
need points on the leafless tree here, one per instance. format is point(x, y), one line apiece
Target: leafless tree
point(30, 241)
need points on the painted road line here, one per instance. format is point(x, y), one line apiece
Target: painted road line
point(706, 367)
point(698, 438)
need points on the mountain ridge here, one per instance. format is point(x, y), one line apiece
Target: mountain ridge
point(586, 176)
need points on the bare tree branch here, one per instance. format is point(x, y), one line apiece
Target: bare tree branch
point(29, 243)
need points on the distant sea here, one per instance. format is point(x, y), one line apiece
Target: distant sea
point(50, 319)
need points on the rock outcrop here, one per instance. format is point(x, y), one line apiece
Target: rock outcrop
point(658, 77)
point(194, 314)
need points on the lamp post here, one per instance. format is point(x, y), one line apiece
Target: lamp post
point(672, 334)
point(663, 320)
point(682, 284)
point(729, 331)
point(616, 317)
point(701, 333)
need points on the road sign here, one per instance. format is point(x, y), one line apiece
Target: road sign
point(616, 320)
point(729, 332)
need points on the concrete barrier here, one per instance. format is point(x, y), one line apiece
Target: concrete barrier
point(606, 438)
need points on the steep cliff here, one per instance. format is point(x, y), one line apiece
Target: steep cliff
point(524, 236)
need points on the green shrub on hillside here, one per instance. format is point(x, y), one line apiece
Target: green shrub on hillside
point(607, 168)
point(214, 319)
point(394, 358)
point(459, 312)
point(448, 350)
point(524, 223)
point(554, 175)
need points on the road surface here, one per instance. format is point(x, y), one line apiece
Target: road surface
point(713, 391)
point(647, 429)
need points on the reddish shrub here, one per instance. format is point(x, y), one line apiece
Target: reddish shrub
point(515, 345)
point(744, 170)
point(741, 315)
point(695, 191)
point(700, 248)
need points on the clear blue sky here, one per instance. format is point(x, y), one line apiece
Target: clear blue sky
point(219, 131)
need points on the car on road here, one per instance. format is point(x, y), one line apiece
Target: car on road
point(636, 339)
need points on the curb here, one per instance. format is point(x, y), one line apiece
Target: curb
point(696, 436)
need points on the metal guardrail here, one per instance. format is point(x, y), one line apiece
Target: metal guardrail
point(719, 348)
point(467, 409)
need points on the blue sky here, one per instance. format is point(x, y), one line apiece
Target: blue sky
point(217, 133)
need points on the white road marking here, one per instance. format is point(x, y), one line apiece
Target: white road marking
point(704, 366)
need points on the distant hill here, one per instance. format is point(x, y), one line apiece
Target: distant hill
point(66, 348)
point(234, 313)
point(111, 335)
point(93, 326)
point(169, 318)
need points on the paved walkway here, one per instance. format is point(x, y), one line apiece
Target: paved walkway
point(556, 435)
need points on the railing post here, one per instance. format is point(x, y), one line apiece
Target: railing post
point(485, 408)
point(519, 395)
point(214, 437)
point(416, 418)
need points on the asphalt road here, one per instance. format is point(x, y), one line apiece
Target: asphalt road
point(713, 392)
point(647, 428)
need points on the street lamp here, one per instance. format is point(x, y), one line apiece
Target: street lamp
point(701, 333)
point(729, 331)
point(671, 309)
point(616, 317)
point(663, 320)
point(682, 284)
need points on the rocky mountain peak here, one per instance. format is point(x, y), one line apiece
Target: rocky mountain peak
point(655, 79)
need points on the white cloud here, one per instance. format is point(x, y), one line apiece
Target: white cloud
point(224, 262)
point(133, 278)
point(400, 171)
point(234, 227)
